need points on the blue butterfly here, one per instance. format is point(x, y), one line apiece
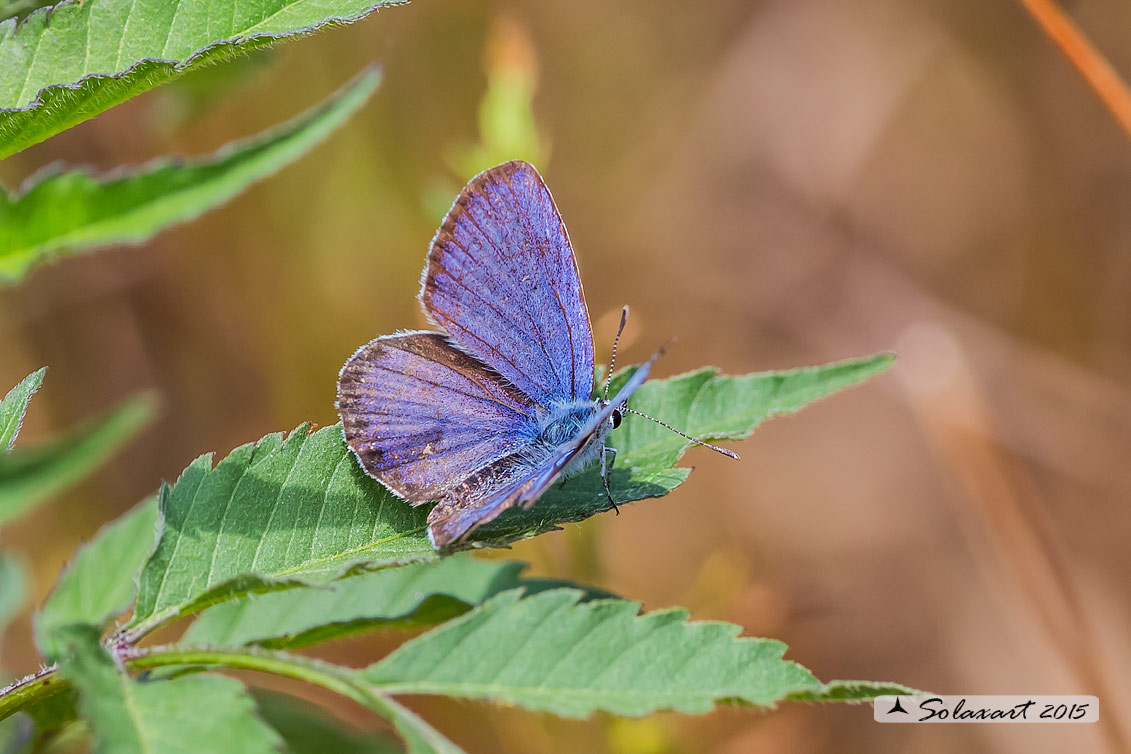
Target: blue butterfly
point(489, 413)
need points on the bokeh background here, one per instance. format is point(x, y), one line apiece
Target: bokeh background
point(775, 183)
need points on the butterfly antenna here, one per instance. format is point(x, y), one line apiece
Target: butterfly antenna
point(716, 448)
point(613, 362)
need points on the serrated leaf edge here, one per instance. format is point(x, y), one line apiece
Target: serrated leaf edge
point(12, 27)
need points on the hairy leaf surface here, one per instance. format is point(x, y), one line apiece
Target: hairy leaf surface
point(550, 652)
point(272, 514)
point(14, 406)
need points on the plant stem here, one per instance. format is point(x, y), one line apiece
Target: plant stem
point(31, 690)
point(47, 682)
point(331, 677)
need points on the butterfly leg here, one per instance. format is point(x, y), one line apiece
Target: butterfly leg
point(606, 466)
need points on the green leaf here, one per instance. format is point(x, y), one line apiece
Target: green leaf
point(283, 513)
point(307, 730)
point(28, 477)
point(272, 514)
point(852, 691)
point(100, 582)
point(551, 652)
point(419, 594)
point(63, 66)
point(188, 714)
point(704, 404)
point(68, 211)
point(721, 407)
point(14, 406)
point(548, 652)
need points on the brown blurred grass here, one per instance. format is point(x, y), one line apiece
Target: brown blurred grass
point(775, 183)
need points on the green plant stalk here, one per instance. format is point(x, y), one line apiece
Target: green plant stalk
point(47, 682)
point(330, 677)
point(31, 690)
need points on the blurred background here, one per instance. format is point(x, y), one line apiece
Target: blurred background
point(775, 183)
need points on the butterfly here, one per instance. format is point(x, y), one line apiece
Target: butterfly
point(487, 414)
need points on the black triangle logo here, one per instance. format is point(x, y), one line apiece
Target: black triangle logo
point(897, 707)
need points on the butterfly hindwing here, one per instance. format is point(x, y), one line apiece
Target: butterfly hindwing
point(422, 415)
point(481, 498)
point(501, 278)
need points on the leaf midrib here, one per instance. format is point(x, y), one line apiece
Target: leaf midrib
point(173, 610)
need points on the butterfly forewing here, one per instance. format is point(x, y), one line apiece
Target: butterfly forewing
point(502, 280)
point(421, 415)
point(458, 417)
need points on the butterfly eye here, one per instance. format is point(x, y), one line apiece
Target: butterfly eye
point(616, 419)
